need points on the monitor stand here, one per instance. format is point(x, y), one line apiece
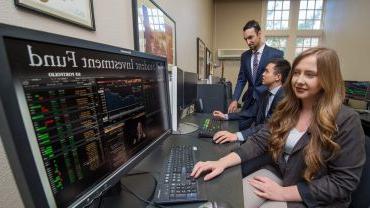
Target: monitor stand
point(186, 128)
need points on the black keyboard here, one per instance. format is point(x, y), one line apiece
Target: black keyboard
point(209, 127)
point(176, 185)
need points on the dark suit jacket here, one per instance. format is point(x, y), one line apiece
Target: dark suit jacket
point(260, 118)
point(255, 114)
point(333, 184)
point(255, 87)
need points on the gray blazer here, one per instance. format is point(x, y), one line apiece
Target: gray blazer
point(333, 184)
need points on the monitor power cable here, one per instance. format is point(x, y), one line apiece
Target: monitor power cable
point(147, 201)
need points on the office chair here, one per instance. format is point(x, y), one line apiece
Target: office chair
point(360, 197)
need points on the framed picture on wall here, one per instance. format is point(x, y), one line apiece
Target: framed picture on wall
point(79, 12)
point(208, 62)
point(201, 59)
point(154, 30)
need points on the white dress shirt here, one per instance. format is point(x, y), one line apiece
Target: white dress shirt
point(260, 51)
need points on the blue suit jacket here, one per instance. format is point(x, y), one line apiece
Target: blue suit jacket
point(255, 87)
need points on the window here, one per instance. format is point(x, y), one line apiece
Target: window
point(277, 42)
point(156, 19)
point(277, 15)
point(141, 27)
point(140, 20)
point(310, 15)
point(293, 25)
point(305, 43)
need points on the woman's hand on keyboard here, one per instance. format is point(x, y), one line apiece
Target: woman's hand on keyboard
point(214, 168)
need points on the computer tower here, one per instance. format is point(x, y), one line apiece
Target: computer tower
point(229, 91)
point(213, 97)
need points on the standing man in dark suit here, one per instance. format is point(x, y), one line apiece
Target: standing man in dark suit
point(274, 76)
point(252, 65)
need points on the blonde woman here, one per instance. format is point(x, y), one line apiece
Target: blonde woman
point(317, 143)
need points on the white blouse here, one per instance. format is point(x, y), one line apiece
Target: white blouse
point(293, 138)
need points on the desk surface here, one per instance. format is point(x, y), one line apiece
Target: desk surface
point(226, 188)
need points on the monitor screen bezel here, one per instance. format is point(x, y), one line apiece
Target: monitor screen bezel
point(13, 130)
point(180, 88)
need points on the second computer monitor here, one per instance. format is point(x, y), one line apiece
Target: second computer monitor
point(180, 88)
point(358, 90)
point(190, 88)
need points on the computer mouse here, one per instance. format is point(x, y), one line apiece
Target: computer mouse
point(215, 204)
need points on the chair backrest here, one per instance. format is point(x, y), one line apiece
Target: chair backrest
point(361, 196)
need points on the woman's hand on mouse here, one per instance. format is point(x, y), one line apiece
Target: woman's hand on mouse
point(216, 168)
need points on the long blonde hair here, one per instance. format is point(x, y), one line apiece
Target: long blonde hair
point(323, 126)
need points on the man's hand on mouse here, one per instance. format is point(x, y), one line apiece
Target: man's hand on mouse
point(219, 115)
point(224, 136)
point(216, 168)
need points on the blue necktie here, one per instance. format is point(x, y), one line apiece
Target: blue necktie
point(255, 65)
point(268, 105)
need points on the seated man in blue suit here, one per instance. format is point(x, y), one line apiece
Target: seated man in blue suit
point(252, 65)
point(273, 77)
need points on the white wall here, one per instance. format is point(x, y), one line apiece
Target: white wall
point(113, 22)
point(230, 18)
point(194, 18)
point(9, 195)
point(113, 19)
point(347, 30)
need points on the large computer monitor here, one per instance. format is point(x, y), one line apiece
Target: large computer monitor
point(76, 115)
